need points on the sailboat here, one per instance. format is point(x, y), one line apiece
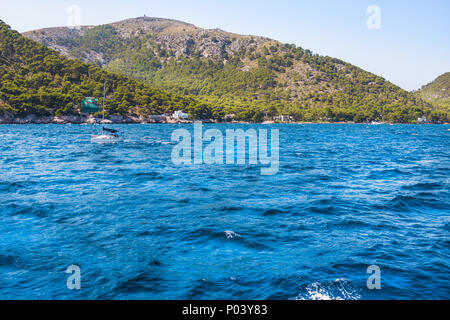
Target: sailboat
point(107, 134)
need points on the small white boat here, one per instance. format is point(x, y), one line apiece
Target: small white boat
point(107, 135)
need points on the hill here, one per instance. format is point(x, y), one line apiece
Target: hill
point(438, 92)
point(35, 80)
point(251, 77)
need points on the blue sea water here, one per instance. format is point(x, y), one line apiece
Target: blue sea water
point(346, 197)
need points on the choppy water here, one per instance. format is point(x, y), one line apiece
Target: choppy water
point(346, 197)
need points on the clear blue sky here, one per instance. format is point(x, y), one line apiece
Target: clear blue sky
point(411, 48)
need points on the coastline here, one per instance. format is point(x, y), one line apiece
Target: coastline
point(83, 119)
point(86, 119)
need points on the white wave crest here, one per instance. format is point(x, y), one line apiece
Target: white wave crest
point(339, 289)
point(232, 234)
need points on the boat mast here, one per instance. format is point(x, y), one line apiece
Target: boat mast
point(104, 99)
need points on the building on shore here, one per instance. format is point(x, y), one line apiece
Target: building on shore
point(180, 115)
point(283, 118)
point(422, 120)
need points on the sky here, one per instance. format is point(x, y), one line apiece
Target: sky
point(406, 42)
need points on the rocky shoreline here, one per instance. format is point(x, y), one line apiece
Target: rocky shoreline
point(114, 119)
point(84, 119)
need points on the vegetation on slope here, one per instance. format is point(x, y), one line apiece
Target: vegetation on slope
point(438, 92)
point(37, 80)
point(251, 77)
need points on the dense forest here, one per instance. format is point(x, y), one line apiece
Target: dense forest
point(210, 74)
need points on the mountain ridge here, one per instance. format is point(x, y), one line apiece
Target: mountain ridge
point(251, 77)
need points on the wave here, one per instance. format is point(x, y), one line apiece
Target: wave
point(155, 141)
point(206, 234)
point(146, 176)
point(387, 173)
point(401, 203)
point(232, 234)
point(230, 209)
point(7, 260)
point(326, 206)
point(144, 282)
point(36, 210)
point(14, 186)
point(339, 289)
point(289, 236)
point(273, 212)
point(349, 223)
point(202, 287)
point(424, 186)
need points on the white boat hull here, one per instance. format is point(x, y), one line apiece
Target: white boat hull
point(104, 138)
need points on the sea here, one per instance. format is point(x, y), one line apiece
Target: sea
point(87, 220)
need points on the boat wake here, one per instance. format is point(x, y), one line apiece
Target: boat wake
point(104, 138)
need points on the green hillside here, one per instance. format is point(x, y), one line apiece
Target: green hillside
point(208, 73)
point(248, 76)
point(438, 92)
point(37, 80)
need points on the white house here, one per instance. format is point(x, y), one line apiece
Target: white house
point(422, 120)
point(180, 115)
point(283, 118)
